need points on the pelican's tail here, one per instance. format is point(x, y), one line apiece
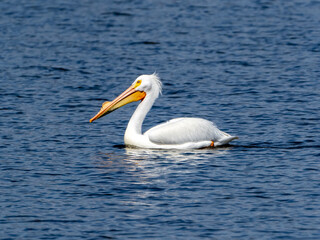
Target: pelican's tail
point(225, 140)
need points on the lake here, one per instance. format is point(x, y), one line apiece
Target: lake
point(252, 67)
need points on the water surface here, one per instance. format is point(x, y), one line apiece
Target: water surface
point(252, 67)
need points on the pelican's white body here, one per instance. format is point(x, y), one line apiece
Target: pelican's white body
point(179, 133)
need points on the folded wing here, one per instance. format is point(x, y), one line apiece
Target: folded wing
point(183, 130)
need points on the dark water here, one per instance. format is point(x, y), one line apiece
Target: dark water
point(253, 67)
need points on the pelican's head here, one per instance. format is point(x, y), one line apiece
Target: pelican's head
point(140, 88)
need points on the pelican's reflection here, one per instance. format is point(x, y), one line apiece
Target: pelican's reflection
point(151, 163)
point(176, 155)
point(161, 164)
point(140, 156)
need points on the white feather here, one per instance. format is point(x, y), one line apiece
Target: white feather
point(183, 130)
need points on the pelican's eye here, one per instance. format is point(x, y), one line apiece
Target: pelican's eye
point(138, 83)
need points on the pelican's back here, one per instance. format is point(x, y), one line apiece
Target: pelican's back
point(183, 130)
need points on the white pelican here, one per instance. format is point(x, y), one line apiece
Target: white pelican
point(179, 133)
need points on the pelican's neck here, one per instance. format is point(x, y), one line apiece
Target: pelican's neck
point(135, 124)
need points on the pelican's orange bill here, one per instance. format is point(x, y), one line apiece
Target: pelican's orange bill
point(128, 96)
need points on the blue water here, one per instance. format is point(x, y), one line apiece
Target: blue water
point(253, 67)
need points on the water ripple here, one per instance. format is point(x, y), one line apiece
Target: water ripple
point(252, 67)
